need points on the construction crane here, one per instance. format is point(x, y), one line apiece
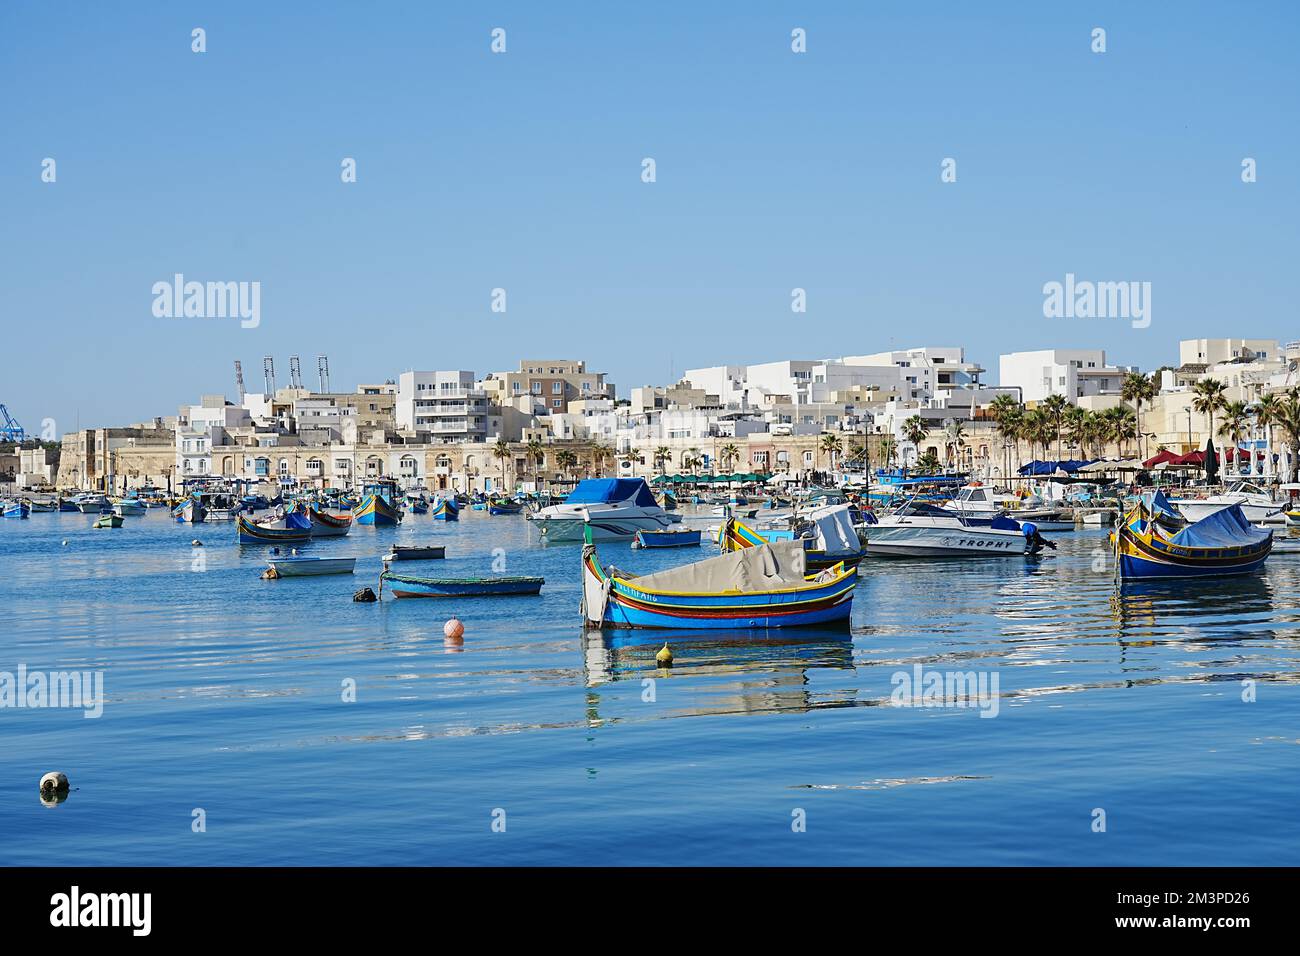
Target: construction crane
point(295, 372)
point(239, 380)
point(323, 367)
point(268, 373)
point(11, 430)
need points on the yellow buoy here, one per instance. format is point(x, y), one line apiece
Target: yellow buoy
point(665, 657)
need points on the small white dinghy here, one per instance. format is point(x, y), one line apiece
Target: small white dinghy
point(308, 567)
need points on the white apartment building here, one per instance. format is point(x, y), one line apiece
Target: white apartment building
point(1072, 373)
point(926, 372)
point(1214, 351)
point(446, 404)
point(202, 426)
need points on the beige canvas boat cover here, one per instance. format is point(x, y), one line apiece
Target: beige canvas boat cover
point(770, 567)
point(835, 532)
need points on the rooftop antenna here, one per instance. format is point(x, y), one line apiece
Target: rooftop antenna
point(268, 373)
point(323, 367)
point(295, 372)
point(239, 380)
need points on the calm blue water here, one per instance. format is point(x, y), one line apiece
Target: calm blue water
point(224, 693)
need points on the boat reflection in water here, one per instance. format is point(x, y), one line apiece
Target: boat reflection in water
point(1234, 609)
point(743, 671)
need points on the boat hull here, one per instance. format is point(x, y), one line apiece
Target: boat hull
point(328, 526)
point(1145, 554)
point(431, 553)
point(915, 541)
point(374, 510)
point(250, 533)
point(627, 606)
point(312, 567)
point(406, 586)
point(445, 510)
point(667, 539)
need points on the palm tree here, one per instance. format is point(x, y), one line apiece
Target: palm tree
point(1236, 419)
point(692, 460)
point(662, 454)
point(536, 454)
point(1138, 388)
point(1120, 425)
point(954, 440)
point(600, 453)
point(1288, 419)
point(566, 460)
point(1266, 411)
point(1053, 406)
point(831, 445)
point(1074, 418)
point(915, 430)
point(728, 455)
point(501, 451)
point(928, 463)
point(1208, 398)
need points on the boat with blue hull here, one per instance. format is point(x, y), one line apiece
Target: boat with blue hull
point(666, 539)
point(445, 509)
point(326, 525)
point(377, 506)
point(408, 586)
point(17, 509)
point(753, 588)
point(504, 506)
point(1221, 544)
point(293, 528)
point(417, 506)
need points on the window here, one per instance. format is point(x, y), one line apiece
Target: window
point(537, 388)
point(557, 403)
point(315, 466)
point(284, 466)
point(516, 388)
point(807, 458)
point(557, 388)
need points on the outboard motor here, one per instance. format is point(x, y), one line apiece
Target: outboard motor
point(1034, 542)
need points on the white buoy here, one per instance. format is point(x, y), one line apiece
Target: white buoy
point(65, 542)
point(196, 543)
point(54, 782)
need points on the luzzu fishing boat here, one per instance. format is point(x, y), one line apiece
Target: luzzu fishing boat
point(377, 506)
point(761, 587)
point(1224, 543)
point(417, 506)
point(829, 537)
point(446, 509)
point(325, 525)
point(293, 528)
point(504, 506)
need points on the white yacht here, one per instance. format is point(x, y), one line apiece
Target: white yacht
point(89, 503)
point(612, 508)
point(918, 530)
point(1256, 503)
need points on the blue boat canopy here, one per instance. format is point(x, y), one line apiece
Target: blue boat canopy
point(1226, 528)
point(593, 491)
point(1159, 504)
point(1070, 466)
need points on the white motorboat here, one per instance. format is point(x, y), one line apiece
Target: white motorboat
point(90, 504)
point(296, 567)
point(610, 509)
point(1256, 504)
point(918, 530)
point(979, 505)
point(129, 506)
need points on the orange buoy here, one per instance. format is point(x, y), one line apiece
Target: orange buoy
point(453, 630)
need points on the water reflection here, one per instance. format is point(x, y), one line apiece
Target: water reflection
point(717, 672)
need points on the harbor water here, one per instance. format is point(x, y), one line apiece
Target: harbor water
point(248, 721)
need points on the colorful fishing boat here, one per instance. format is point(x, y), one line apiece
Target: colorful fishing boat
point(504, 506)
point(42, 507)
point(406, 586)
point(446, 509)
point(761, 587)
point(299, 567)
point(407, 552)
point(665, 539)
point(1224, 543)
point(827, 535)
point(377, 506)
point(325, 525)
point(293, 528)
point(189, 511)
point(108, 521)
point(417, 506)
point(17, 509)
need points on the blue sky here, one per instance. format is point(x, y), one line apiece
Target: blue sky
point(522, 171)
